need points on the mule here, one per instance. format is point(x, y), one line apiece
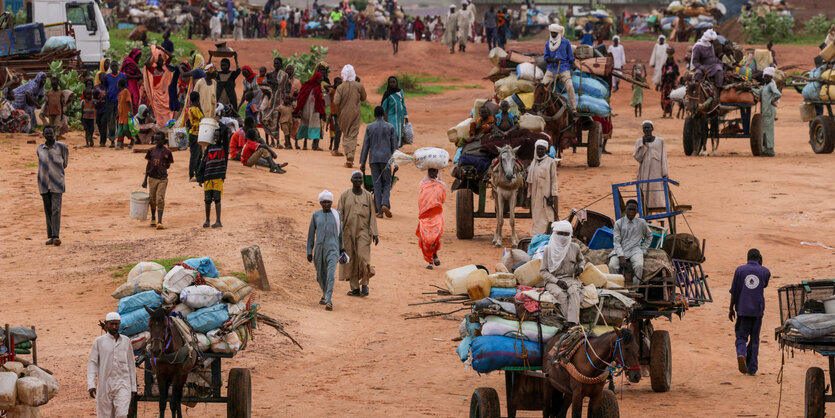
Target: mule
point(555, 110)
point(173, 359)
point(704, 115)
point(507, 176)
point(585, 371)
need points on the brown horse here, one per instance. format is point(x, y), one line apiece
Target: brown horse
point(585, 370)
point(172, 360)
point(703, 112)
point(554, 109)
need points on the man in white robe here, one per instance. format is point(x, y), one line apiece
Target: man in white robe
point(112, 362)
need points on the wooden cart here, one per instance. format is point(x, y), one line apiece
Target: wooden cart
point(696, 133)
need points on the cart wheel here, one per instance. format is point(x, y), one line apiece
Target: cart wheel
point(815, 382)
point(608, 406)
point(464, 214)
point(485, 403)
point(756, 135)
point(133, 410)
point(694, 132)
point(595, 150)
point(822, 135)
point(660, 361)
point(239, 392)
point(687, 135)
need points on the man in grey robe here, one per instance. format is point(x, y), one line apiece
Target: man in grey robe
point(325, 236)
point(562, 263)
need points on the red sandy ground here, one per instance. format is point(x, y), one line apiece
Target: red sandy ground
point(364, 359)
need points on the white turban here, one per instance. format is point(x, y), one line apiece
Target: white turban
point(325, 195)
point(709, 35)
point(769, 71)
point(616, 38)
point(556, 27)
point(348, 73)
point(356, 172)
point(113, 316)
point(451, 6)
point(647, 122)
point(558, 245)
point(541, 142)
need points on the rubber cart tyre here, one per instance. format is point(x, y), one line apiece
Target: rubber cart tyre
point(485, 403)
point(660, 361)
point(239, 393)
point(595, 151)
point(756, 135)
point(608, 406)
point(464, 214)
point(822, 135)
point(814, 402)
point(687, 135)
point(134, 407)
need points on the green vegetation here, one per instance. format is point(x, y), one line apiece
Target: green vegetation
point(124, 269)
point(68, 80)
point(415, 85)
point(240, 275)
point(304, 64)
point(817, 25)
point(18, 18)
point(35, 164)
point(367, 111)
point(120, 45)
point(771, 27)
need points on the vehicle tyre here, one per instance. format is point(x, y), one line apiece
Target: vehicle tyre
point(822, 135)
point(485, 404)
point(595, 150)
point(687, 135)
point(661, 361)
point(814, 402)
point(464, 214)
point(239, 393)
point(608, 406)
point(757, 135)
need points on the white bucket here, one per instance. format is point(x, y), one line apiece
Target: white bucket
point(206, 136)
point(139, 202)
point(829, 305)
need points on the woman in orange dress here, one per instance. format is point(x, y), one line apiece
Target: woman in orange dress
point(431, 217)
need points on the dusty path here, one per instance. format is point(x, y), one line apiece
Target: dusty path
point(363, 359)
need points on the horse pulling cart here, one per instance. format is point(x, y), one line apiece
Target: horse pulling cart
point(728, 120)
point(204, 386)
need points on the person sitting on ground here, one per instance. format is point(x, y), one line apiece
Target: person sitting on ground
point(212, 173)
point(506, 122)
point(156, 176)
point(147, 124)
point(12, 120)
point(256, 151)
point(562, 263)
point(238, 141)
point(631, 239)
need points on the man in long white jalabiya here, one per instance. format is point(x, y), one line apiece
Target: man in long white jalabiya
point(542, 188)
point(111, 360)
point(562, 263)
point(652, 156)
point(657, 60)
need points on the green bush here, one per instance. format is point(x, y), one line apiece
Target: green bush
point(771, 27)
point(304, 64)
point(818, 25)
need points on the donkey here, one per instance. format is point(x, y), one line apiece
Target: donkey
point(507, 176)
point(584, 371)
point(173, 359)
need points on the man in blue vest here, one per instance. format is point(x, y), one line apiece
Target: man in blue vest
point(748, 305)
point(560, 60)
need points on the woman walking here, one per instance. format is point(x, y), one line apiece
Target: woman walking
point(311, 110)
point(394, 104)
point(431, 217)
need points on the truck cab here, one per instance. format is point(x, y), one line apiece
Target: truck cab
point(85, 17)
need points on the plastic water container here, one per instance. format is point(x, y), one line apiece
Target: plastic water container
point(829, 305)
point(206, 136)
point(603, 239)
point(478, 285)
point(456, 279)
point(528, 274)
point(139, 202)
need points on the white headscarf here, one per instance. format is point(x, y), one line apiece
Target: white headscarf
point(325, 195)
point(537, 144)
point(113, 316)
point(554, 43)
point(660, 37)
point(616, 38)
point(356, 172)
point(769, 71)
point(707, 37)
point(558, 245)
point(348, 73)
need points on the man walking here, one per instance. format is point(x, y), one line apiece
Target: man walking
point(619, 57)
point(377, 147)
point(491, 27)
point(156, 175)
point(325, 237)
point(111, 360)
point(52, 160)
point(748, 305)
point(347, 104)
point(111, 107)
point(631, 240)
point(358, 231)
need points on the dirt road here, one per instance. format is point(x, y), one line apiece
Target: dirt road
point(364, 359)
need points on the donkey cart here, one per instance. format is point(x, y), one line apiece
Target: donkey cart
point(727, 124)
point(807, 298)
point(203, 386)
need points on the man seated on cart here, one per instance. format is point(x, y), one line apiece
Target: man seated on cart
point(562, 263)
point(560, 60)
point(632, 238)
point(472, 152)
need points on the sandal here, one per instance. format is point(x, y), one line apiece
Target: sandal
point(328, 306)
point(436, 260)
point(429, 267)
point(355, 292)
point(322, 301)
point(365, 291)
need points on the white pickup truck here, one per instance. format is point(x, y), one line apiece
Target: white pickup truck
point(91, 36)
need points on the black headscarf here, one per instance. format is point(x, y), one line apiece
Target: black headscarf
point(389, 90)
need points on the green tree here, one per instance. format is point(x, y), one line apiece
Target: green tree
point(771, 27)
point(818, 25)
point(304, 63)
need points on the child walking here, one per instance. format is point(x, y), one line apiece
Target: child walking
point(212, 173)
point(54, 106)
point(88, 114)
point(195, 113)
point(124, 106)
point(638, 91)
point(156, 176)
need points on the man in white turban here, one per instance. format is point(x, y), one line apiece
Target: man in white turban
point(347, 105)
point(112, 362)
point(560, 60)
point(325, 237)
point(562, 263)
point(451, 29)
point(769, 95)
point(542, 188)
point(703, 59)
point(358, 232)
point(657, 60)
point(619, 58)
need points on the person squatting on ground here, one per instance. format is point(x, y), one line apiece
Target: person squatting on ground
point(359, 230)
point(156, 177)
point(430, 227)
point(377, 148)
point(631, 239)
point(212, 173)
point(560, 60)
point(325, 237)
point(113, 365)
point(562, 263)
point(52, 161)
point(748, 305)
